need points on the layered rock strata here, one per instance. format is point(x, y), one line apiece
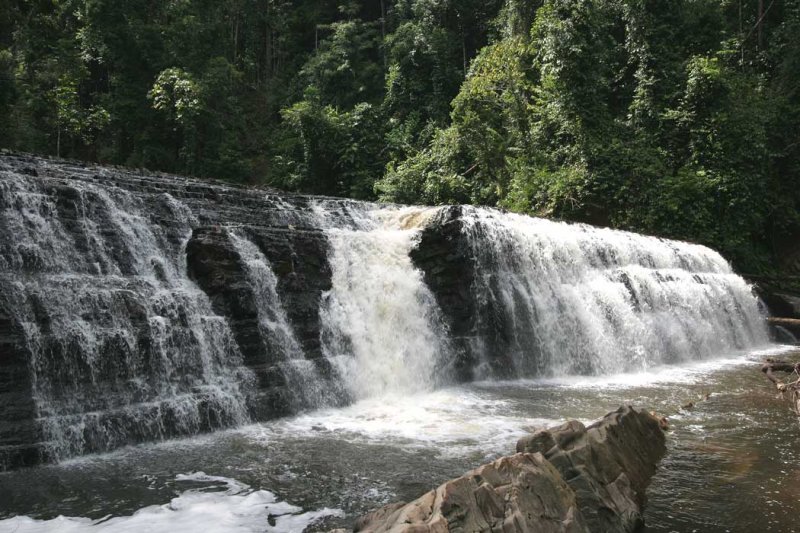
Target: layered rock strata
point(125, 314)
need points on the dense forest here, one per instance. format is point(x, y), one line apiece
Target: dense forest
point(679, 118)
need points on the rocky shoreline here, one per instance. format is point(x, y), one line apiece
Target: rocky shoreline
point(571, 478)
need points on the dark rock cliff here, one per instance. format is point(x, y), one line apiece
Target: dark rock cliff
point(19, 432)
point(298, 259)
point(479, 328)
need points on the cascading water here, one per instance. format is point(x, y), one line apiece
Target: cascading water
point(381, 326)
point(575, 299)
point(308, 388)
point(138, 308)
point(123, 346)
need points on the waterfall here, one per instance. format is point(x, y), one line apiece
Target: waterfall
point(575, 299)
point(123, 346)
point(380, 322)
point(306, 384)
point(137, 307)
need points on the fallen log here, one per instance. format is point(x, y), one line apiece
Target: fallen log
point(789, 391)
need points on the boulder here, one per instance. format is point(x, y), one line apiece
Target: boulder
point(608, 465)
point(522, 492)
point(566, 479)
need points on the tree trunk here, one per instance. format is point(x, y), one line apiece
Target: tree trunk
point(741, 32)
point(464, 49)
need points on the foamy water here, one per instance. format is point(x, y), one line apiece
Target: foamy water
point(658, 375)
point(222, 505)
point(335, 464)
point(455, 422)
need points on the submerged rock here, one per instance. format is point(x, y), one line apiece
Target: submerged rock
point(565, 479)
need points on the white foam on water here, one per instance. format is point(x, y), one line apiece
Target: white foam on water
point(236, 509)
point(455, 421)
point(662, 375)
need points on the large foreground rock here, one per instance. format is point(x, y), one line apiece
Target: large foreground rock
point(567, 479)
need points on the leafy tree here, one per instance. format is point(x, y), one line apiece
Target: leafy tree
point(330, 151)
point(677, 118)
point(346, 68)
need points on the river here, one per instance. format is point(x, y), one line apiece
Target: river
point(731, 463)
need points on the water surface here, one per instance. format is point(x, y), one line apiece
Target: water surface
point(731, 465)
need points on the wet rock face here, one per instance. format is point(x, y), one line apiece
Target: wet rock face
point(784, 308)
point(298, 260)
point(18, 431)
point(780, 304)
point(478, 326)
point(566, 479)
point(124, 300)
point(443, 255)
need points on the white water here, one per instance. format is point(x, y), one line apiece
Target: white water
point(569, 299)
point(123, 344)
point(125, 347)
point(235, 509)
point(380, 322)
point(456, 422)
point(575, 299)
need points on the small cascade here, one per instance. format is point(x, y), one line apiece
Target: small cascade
point(381, 326)
point(575, 299)
point(308, 387)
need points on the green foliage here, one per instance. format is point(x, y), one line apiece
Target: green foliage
point(8, 94)
point(176, 93)
point(346, 67)
point(75, 120)
point(490, 126)
point(677, 118)
point(328, 151)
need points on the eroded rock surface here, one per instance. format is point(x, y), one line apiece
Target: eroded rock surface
point(566, 479)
